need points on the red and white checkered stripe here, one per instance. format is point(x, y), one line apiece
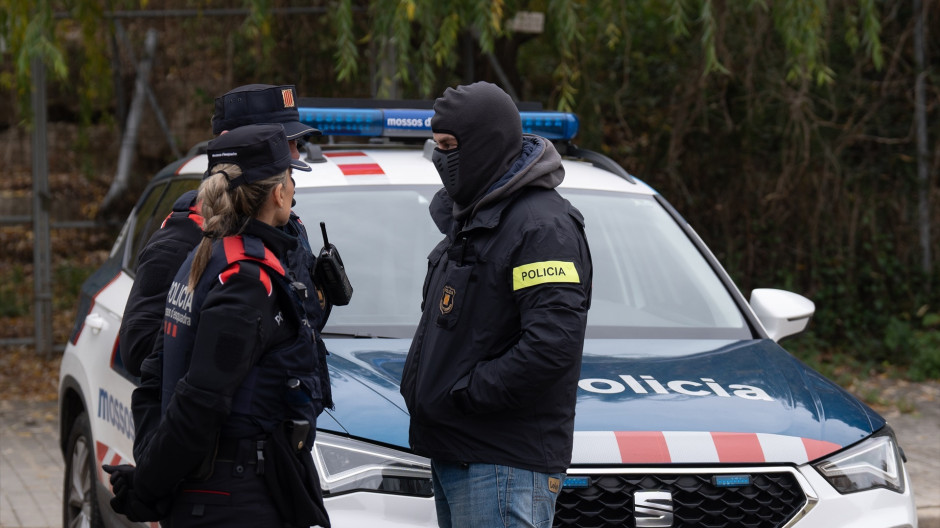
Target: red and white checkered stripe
point(107, 455)
point(358, 164)
point(694, 447)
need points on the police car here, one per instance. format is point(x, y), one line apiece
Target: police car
point(689, 413)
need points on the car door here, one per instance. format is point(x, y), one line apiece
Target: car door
point(113, 385)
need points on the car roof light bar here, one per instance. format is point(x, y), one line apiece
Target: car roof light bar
point(416, 123)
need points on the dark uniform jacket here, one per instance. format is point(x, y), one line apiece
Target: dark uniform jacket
point(158, 263)
point(160, 259)
point(140, 350)
point(491, 376)
point(243, 337)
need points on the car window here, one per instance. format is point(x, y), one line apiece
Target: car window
point(153, 209)
point(383, 236)
point(650, 280)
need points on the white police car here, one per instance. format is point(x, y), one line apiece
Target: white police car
point(689, 413)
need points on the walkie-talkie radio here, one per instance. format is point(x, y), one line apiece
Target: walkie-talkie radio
point(330, 274)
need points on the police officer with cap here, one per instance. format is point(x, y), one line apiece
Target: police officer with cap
point(233, 447)
point(163, 254)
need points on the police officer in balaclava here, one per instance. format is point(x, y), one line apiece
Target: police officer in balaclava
point(491, 376)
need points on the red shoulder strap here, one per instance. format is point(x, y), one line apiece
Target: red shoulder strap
point(236, 268)
point(236, 249)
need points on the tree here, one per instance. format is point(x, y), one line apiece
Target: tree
point(783, 130)
point(423, 37)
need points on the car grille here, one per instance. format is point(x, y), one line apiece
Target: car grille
point(769, 501)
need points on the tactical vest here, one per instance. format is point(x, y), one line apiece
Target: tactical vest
point(301, 262)
point(283, 384)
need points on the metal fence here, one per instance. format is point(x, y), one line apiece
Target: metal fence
point(36, 213)
point(39, 217)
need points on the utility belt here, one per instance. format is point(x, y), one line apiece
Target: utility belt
point(244, 452)
point(244, 455)
point(282, 458)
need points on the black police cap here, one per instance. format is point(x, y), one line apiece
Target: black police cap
point(260, 151)
point(260, 103)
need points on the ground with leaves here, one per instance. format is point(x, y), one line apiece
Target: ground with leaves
point(24, 376)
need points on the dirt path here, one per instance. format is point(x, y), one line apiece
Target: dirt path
point(913, 410)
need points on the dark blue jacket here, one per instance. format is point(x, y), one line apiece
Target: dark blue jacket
point(491, 376)
point(241, 348)
point(159, 260)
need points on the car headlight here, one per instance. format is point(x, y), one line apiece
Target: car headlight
point(873, 463)
point(346, 465)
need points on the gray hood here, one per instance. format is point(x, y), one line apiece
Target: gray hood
point(539, 165)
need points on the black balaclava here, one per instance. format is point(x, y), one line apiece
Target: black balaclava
point(488, 129)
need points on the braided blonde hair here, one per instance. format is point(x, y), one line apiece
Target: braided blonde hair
point(226, 211)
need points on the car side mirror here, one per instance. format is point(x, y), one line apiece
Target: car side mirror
point(781, 312)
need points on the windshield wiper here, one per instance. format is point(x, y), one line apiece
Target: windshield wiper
point(356, 335)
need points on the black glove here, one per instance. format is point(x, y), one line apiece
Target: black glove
point(127, 502)
point(122, 478)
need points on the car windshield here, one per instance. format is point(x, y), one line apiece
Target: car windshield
point(650, 281)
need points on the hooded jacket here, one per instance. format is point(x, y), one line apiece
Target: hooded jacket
point(492, 372)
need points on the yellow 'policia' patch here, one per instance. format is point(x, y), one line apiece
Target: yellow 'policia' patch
point(543, 272)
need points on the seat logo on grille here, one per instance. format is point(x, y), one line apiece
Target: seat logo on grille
point(652, 509)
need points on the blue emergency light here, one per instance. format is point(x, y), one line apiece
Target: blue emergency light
point(414, 123)
point(577, 482)
point(731, 481)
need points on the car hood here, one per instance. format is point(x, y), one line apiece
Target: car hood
point(643, 401)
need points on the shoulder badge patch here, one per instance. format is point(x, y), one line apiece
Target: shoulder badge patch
point(447, 299)
point(544, 272)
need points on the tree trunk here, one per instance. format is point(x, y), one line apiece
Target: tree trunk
point(920, 127)
point(121, 183)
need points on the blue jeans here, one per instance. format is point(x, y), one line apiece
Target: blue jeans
point(490, 496)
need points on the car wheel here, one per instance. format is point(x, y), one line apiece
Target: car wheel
point(80, 498)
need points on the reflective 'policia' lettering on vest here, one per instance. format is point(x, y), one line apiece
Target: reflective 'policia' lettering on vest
point(544, 272)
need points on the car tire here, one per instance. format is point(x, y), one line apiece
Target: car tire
point(79, 489)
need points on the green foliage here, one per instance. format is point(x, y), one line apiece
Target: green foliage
point(915, 340)
point(871, 28)
point(416, 36)
point(15, 297)
point(26, 28)
point(710, 33)
point(801, 25)
point(841, 366)
point(67, 279)
point(679, 20)
point(346, 52)
point(257, 28)
point(780, 130)
point(53, 31)
point(16, 287)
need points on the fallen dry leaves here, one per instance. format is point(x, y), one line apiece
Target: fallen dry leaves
point(26, 376)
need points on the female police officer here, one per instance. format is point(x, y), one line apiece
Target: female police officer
point(233, 446)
